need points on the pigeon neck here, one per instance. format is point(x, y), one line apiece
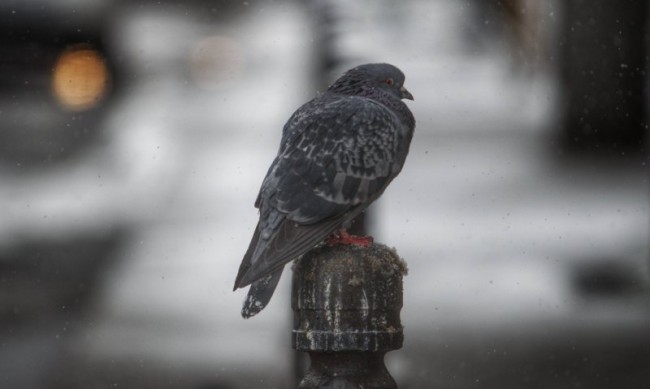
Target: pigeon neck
point(377, 94)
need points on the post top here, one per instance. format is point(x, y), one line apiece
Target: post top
point(348, 298)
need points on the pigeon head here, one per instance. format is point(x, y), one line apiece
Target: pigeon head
point(371, 80)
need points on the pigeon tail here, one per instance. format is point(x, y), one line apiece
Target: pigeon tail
point(259, 294)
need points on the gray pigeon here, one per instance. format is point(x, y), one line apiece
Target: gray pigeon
point(337, 155)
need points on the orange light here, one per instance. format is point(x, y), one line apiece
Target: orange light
point(80, 78)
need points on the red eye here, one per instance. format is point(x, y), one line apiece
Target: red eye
point(389, 81)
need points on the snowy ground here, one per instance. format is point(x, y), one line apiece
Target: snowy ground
point(493, 228)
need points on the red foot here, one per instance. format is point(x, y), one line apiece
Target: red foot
point(342, 237)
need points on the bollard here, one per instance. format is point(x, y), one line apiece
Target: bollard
point(346, 302)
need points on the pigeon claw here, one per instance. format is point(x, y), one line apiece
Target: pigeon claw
point(343, 237)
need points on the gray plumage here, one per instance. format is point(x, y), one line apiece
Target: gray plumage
point(337, 155)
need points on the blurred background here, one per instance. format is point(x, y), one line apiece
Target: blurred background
point(134, 136)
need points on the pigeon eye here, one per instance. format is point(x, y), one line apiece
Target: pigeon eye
point(389, 81)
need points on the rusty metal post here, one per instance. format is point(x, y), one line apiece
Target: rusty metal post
point(346, 302)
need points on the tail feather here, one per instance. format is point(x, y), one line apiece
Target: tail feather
point(260, 293)
point(246, 261)
point(264, 260)
point(289, 242)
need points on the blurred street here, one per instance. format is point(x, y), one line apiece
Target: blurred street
point(527, 267)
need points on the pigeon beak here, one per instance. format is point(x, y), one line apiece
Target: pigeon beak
point(405, 94)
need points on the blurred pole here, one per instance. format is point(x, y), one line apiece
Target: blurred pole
point(347, 302)
point(326, 59)
point(604, 76)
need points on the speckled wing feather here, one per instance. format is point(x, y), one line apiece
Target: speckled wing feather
point(337, 155)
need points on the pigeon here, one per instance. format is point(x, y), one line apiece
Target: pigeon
point(337, 155)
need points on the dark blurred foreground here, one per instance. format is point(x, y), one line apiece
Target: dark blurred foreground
point(134, 136)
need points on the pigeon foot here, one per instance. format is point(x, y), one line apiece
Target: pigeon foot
point(343, 237)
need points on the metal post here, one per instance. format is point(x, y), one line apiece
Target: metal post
point(346, 302)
